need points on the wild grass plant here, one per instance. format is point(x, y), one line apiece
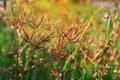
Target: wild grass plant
point(59, 40)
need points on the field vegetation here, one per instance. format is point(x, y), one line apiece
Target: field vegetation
point(60, 40)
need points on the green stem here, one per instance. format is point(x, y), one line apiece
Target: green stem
point(31, 64)
point(82, 34)
point(67, 61)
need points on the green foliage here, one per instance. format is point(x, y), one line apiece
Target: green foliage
point(67, 43)
point(117, 44)
point(109, 27)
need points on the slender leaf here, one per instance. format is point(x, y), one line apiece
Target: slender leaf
point(117, 44)
point(109, 27)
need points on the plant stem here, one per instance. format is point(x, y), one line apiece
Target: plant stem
point(31, 64)
point(67, 61)
point(82, 34)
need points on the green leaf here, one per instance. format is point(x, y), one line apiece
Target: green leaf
point(109, 27)
point(117, 44)
point(84, 63)
point(88, 76)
